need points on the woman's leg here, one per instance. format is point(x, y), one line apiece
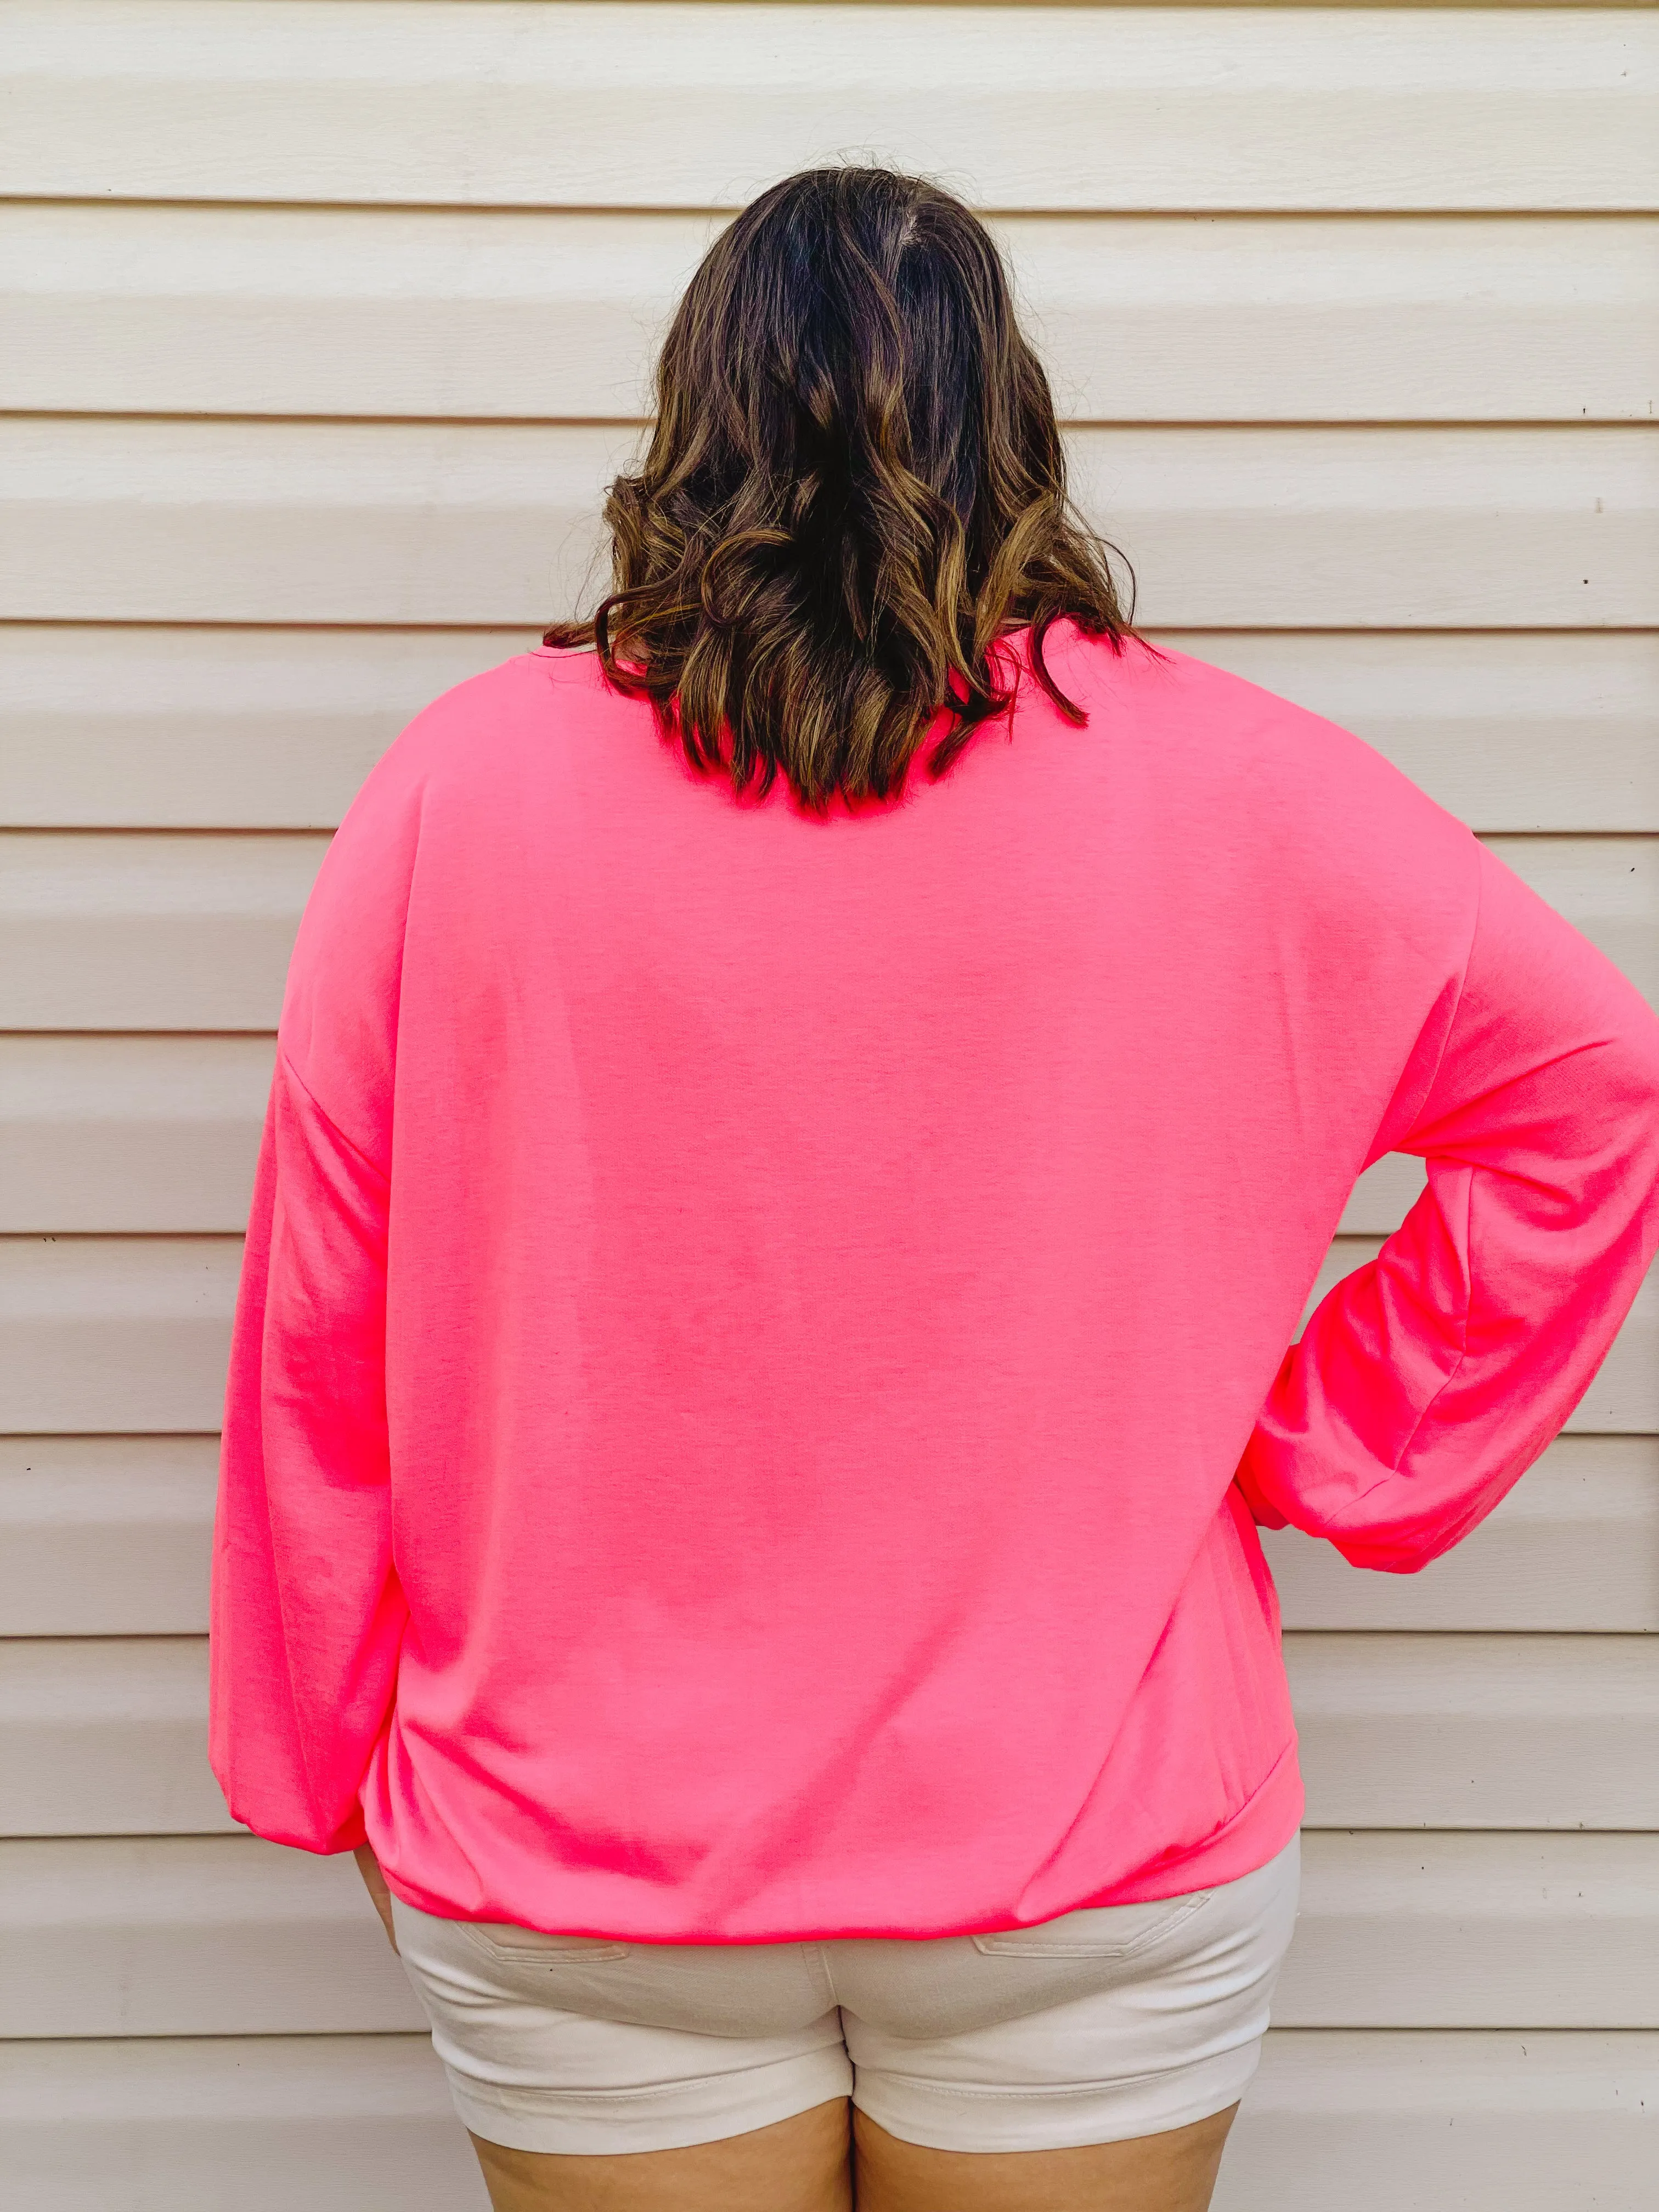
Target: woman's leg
point(801, 2165)
point(798, 2164)
point(1170, 2172)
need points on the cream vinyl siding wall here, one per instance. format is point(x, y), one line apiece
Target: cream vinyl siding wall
point(326, 321)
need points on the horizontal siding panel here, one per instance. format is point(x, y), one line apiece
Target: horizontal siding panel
point(1532, 2122)
point(133, 932)
point(1471, 1731)
point(110, 1536)
point(490, 524)
point(123, 1135)
point(115, 1334)
point(194, 1935)
point(250, 729)
point(288, 2124)
point(150, 932)
point(105, 1535)
point(1574, 1546)
point(227, 1935)
point(1474, 1931)
point(345, 312)
point(1608, 887)
point(107, 1736)
point(1446, 2123)
point(1020, 108)
point(1549, 733)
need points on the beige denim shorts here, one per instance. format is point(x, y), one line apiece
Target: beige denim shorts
point(1103, 2023)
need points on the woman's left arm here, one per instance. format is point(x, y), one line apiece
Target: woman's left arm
point(307, 1615)
point(375, 1883)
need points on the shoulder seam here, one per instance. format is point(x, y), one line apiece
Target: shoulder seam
point(1463, 978)
point(354, 1148)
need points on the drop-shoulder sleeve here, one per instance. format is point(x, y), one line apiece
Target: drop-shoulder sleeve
point(306, 1613)
point(1427, 1381)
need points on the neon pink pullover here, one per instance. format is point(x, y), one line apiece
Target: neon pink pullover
point(763, 1340)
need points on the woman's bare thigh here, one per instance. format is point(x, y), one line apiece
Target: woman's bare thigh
point(1174, 2172)
point(802, 2164)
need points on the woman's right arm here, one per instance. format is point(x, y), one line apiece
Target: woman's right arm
point(1428, 1381)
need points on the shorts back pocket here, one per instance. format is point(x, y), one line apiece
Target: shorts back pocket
point(506, 1940)
point(1105, 1931)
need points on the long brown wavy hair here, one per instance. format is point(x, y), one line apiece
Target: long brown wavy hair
point(855, 485)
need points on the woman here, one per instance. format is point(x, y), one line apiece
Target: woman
point(807, 1111)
